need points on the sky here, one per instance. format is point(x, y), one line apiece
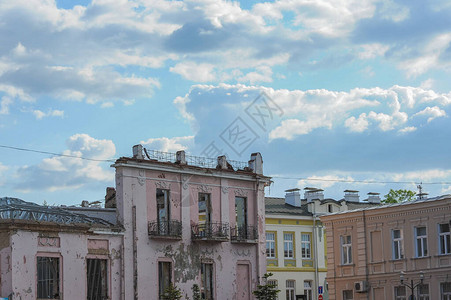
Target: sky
point(335, 94)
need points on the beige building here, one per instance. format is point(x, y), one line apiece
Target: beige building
point(368, 250)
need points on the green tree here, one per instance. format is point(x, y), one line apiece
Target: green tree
point(266, 291)
point(172, 293)
point(196, 292)
point(398, 196)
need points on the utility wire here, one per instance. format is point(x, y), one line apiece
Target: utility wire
point(359, 181)
point(56, 154)
point(278, 177)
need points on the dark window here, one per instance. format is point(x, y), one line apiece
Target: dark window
point(207, 281)
point(241, 212)
point(163, 211)
point(48, 269)
point(97, 276)
point(164, 276)
point(204, 208)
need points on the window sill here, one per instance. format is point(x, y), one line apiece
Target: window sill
point(397, 260)
point(443, 255)
point(346, 265)
point(422, 257)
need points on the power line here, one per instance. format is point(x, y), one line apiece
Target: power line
point(57, 154)
point(359, 181)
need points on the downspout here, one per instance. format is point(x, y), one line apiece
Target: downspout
point(366, 256)
point(258, 244)
point(135, 260)
point(315, 244)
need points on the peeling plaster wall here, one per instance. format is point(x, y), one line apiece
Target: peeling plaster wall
point(72, 249)
point(5, 264)
point(136, 187)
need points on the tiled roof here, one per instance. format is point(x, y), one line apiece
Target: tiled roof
point(278, 206)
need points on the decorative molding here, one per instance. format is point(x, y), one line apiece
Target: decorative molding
point(225, 189)
point(48, 241)
point(240, 192)
point(203, 188)
point(242, 252)
point(185, 179)
point(163, 185)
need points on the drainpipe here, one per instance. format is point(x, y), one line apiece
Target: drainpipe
point(366, 256)
point(135, 262)
point(258, 243)
point(315, 244)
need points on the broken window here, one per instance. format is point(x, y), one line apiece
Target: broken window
point(163, 211)
point(48, 269)
point(204, 208)
point(97, 277)
point(164, 276)
point(207, 281)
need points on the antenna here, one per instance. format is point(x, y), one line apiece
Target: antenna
point(420, 191)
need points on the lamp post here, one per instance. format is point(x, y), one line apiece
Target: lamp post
point(411, 286)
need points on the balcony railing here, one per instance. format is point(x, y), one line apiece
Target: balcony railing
point(165, 229)
point(244, 234)
point(213, 231)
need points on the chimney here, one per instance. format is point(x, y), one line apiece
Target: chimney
point(222, 162)
point(374, 198)
point(256, 163)
point(292, 197)
point(311, 193)
point(351, 196)
point(138, 152)
point(180, 157)
point(110, 197)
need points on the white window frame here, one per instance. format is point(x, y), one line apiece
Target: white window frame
point(290, 289)
point(271, 245)
point(308, 290)
point(421, 242)
point(288, 250)
point(444, 239)
point(397, 245)
point(346, 249)
point(306, 246)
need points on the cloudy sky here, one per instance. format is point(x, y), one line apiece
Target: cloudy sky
point(342, 94)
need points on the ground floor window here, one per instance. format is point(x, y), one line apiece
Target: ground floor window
point(273, 282)
point(164, 276)
point(48, 277)
point(445, 291)
point(348, 295)
point(207, 281)
point(290, 290)
point(400, 293)
point(423, 292)
point(97, 276)
point(308, 290)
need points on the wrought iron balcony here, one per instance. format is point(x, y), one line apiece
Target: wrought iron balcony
point(166, 229)
point(245, 234)
point(212, 231)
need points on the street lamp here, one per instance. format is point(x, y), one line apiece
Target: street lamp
point(411, 286)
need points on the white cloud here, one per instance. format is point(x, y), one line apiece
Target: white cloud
point(195, 72)
point(357, 125)
point(169, 144)
point(50, 113)
point(4, 105)
point(407, 129)
point(262, 74)
point(323, 182)
point(67, 172)
point(432, 112)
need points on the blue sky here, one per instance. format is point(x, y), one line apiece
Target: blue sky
point(356, 94)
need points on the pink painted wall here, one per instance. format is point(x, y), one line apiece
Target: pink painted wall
point(136, 187)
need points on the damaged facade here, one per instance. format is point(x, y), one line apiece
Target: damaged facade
point(187, 222)
point(56, 253)
point(172, 219)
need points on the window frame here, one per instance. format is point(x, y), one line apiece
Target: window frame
point(304, 243)
point(445, 295)
point(308, 290)
point(287, 243)
point(346, 249)
point(345, 296)
point(421, 240)
point(421, 294)
point(160, 287)
point(444, 239)
point(107, 275)
point(396, 290)
point(272, 242)
point(204, 280)
point(290, 291)
point(58, 257)
point(397, 253)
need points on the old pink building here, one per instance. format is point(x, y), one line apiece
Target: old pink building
point(367, 249)
point(188, 220)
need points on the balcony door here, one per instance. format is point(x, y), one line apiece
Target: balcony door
point(163, 210)
point(241, 216)
point(204, 208)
